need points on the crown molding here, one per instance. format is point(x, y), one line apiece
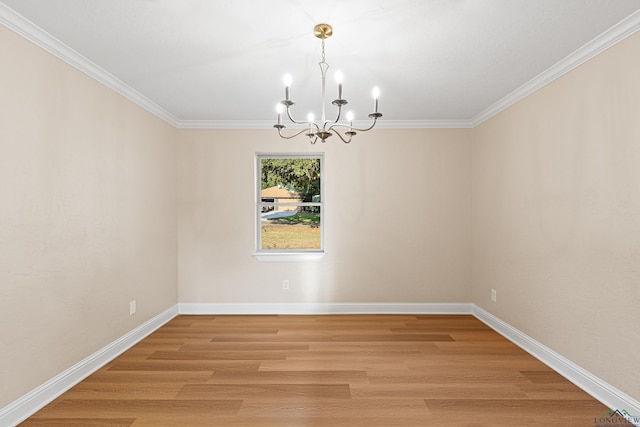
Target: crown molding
point(25, 28)
point(225, 124)
point(382, 124)
point(604, 41)
point(425, 124)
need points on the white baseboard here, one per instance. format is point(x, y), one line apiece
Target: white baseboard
point(27, 405)
point(325, 308)
point(599, 389)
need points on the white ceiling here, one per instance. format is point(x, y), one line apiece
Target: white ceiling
point(222, 61)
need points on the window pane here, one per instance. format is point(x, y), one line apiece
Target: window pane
point(287, 180)
point(291, 227)
point(289, 202)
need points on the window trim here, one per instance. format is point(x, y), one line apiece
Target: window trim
point(286, 255)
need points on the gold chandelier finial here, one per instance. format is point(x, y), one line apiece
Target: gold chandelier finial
point(323, 31)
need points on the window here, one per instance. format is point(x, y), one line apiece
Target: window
point(289, 205)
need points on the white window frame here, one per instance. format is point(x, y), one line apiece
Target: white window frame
point(286, 255)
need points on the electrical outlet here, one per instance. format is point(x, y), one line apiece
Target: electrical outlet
point(494, 295)
point(132, 308)
point(285, 285)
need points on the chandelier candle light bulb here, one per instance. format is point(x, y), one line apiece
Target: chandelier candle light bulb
point(287, 82)
point(326, 128)
point(376, 94)
point(310, 120)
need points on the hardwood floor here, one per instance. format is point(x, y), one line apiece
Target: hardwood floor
point(348, 370)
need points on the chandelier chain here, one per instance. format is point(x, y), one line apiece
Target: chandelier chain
point(323, 69)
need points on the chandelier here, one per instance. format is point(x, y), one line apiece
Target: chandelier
point(325, 128)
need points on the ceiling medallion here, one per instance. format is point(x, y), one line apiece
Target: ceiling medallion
point(325, 128)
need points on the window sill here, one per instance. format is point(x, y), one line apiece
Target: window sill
point(289, 256)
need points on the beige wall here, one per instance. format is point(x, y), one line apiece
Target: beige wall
point(87, 216)
point(556, 215)
point(397, 219)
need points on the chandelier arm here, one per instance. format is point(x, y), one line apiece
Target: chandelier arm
point(338, 116)
point(346, 141)
point(291, 136)
point(307, 123)
point(335, 125)
point(293, 120)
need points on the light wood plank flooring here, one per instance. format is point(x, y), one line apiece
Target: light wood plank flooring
point(348, 370)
